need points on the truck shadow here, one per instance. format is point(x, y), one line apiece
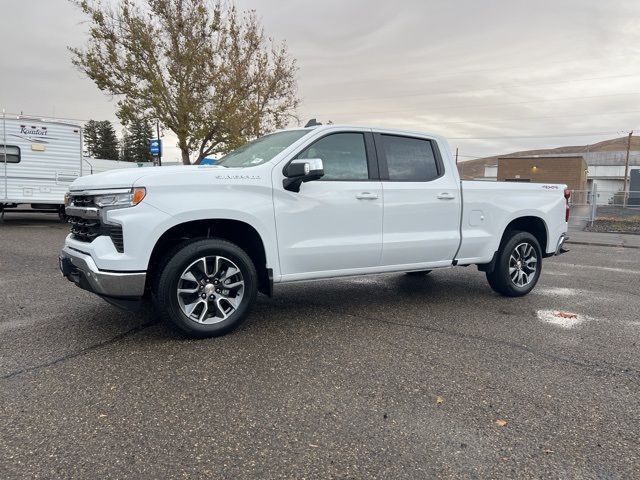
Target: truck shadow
point(293, 304)
point(392, 296)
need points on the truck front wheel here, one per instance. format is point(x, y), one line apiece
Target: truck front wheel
point(206, 287)
point(518, 265)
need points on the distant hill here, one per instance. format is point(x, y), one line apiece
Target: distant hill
point(475, 168)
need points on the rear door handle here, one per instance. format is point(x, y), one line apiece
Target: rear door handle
point(367, 196)
point(446, 196)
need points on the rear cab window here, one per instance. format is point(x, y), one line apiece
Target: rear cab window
point(407, 159)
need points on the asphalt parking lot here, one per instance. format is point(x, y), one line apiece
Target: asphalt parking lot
point(372, 377)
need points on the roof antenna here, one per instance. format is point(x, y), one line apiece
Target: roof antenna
point(312, 123)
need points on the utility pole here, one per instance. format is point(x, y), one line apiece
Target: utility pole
point(160, 153)
point(456, 155)
point(626, 172)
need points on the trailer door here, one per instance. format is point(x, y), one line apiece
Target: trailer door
point(9, 154)
point(3, 165)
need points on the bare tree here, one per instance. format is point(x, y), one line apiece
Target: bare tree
point(205, 70)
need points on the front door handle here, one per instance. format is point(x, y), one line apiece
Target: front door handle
point(445, 196)
point(367, 196)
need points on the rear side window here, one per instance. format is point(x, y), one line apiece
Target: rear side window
point(343, 155)
point(13, 154)
point(409, 159)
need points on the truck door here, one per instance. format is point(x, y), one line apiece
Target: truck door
point(421, 202)
point(335, 223)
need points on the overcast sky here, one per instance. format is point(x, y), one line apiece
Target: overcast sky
point(492, 76)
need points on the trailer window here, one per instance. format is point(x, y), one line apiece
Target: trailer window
point(13, 154)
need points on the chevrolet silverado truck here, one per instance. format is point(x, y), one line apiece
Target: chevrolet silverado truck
point(300, 204)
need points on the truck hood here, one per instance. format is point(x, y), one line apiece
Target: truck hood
point(127, 177)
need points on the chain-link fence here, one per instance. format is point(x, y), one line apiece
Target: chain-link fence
point(583, 207)
point(589, 205)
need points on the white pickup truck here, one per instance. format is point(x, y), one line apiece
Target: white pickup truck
point(301, 204)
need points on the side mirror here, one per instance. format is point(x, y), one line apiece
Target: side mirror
point(302, 170)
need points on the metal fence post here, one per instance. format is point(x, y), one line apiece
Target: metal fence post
point(594, 202)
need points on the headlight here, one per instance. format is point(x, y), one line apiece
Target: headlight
point(67, 199)
point(120, 199)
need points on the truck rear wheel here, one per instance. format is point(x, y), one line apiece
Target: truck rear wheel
point(518, 265)
point(206, 287)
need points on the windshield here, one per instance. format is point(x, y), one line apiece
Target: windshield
point(261, 150)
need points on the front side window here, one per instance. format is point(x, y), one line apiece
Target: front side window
point(261, 150)
point(13, 154)
point(343, 155)
point(409, 159)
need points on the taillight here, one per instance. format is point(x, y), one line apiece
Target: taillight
point(567, 196)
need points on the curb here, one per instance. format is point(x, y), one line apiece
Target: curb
point(595, 244)
point(616, 233)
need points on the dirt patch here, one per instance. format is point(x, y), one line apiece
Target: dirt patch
point(616, 225)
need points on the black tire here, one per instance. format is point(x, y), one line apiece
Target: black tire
point(165, 287)
point(500, 278)
point(62, 215)
point(419, 273)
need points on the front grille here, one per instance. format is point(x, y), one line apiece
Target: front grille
point(88, 229)
point(84, 229)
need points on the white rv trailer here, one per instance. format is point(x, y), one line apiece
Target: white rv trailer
point(38, 160)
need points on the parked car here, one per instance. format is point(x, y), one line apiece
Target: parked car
point(301, 204)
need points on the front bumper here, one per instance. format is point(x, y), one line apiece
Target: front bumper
point(79, 268)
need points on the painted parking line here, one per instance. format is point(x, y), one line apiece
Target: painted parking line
point(557, 291)
point(593, 267)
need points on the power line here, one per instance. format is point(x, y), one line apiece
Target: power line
point(509, 119)
point(585, 134)
point(465, 73)
point(452, 107)
point(452, 92)
point(461, 122)
point(568, 135)
point(48, 117)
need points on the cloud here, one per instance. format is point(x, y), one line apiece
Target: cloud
point(465, 69)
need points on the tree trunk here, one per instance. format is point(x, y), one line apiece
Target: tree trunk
point(185, 156)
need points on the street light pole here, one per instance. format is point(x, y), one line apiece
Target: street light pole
point(626, 172)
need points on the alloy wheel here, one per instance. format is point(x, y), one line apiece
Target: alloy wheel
point(210, 289)
point(523, 264)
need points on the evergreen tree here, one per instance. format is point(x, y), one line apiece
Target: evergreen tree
point(108, 141)
point(90, 138)
point(126, 153)
point(140, 131)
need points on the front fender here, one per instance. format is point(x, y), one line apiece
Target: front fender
point(250, 204)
